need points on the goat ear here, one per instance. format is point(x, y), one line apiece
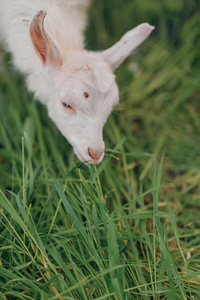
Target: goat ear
point(42, 43)
point(129, 41)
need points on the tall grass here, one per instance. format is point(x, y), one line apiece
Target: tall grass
point(128, 228)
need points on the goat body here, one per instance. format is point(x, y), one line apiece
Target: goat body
point(77, 86)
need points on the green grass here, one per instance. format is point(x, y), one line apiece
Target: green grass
point(128, 228)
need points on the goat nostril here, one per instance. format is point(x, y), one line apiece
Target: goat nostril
point(95, 154)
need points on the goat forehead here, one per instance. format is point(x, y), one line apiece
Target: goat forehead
point(98, 77)
point(88, 69)
point(81, 86)
point(85, 95)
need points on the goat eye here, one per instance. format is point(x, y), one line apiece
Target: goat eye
point(66, 105)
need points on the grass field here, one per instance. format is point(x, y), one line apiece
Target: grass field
point(128, 228)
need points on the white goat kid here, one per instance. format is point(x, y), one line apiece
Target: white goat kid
point(77, 86)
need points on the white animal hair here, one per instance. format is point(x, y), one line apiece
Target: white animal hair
point(77, 86)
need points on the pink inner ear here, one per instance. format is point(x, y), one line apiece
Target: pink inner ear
point(37, 36)
point(42, 43)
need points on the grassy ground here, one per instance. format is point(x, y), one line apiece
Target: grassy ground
point(128, 228)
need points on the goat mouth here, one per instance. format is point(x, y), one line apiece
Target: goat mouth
point(89, 160)
point(80, 156)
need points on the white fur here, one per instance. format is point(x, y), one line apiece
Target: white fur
point(80, 72)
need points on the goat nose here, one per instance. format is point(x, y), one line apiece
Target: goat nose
point(95, 154)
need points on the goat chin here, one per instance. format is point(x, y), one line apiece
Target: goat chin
point(77, 86)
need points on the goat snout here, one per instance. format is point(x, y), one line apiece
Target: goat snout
point(95, 154)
